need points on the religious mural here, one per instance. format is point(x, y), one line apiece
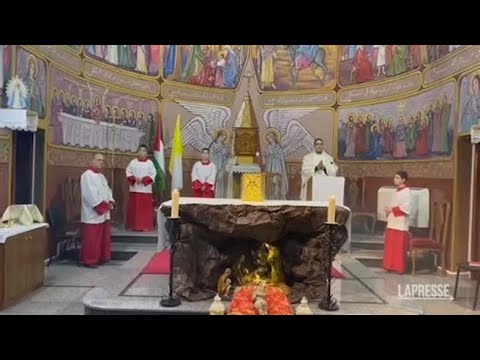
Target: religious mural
point(142, 59)
point(203, 126)
point(436, 52)
point(33, 72)
point(419, 127)
point(218, 66)
point(6, 69)
point(89, 116)
point(469, 114)
point(363, 63)
point(295, 67)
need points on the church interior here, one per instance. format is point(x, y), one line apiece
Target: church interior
point(377, 110)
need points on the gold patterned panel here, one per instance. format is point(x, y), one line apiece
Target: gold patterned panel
point(253, 187)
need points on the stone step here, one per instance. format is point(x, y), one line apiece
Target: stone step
point(134, 239)
point(138, 237)
point(72, 255)
point(366, 254)
point(133, 247)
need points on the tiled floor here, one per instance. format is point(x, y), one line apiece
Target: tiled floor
point(363, 290)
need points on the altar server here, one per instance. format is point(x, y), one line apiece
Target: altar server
point(318, 162)
point(396, 233)
point(97, 201)
point(140, 174)
point(203, 176)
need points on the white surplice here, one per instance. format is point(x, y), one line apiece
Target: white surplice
point(403, 200)
point(204, 173)
point(140, 169)
point(95, 190)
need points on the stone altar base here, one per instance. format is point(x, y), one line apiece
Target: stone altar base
point(222, 233)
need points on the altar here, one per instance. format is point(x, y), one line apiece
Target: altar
point(218, 233)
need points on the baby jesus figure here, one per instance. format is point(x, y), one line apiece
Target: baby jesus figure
point(259, 300)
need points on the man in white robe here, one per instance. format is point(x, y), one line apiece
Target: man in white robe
point(316, 163)
point(203, 176)
point(97, 201)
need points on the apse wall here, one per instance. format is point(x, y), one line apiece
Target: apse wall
point(389, 92)
point(316, 88)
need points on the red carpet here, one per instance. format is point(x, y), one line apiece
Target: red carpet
point(159, 264)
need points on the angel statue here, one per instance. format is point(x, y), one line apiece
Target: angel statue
point(284, 136)
point(207, 129)
point(17, 94)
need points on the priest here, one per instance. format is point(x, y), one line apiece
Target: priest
point(396, 233)
point(203, 176)
point(140, 174)
point(317, 162)
point(97, 201)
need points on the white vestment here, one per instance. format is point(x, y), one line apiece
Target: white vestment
point(310, 161)
point(140, 169)
point(95, 190)
point(204, 173)
point(403, 200)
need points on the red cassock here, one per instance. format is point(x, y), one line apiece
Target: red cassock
point(95, 218)
point(140, 200)
point(396, 233)
point(203, 176)
point(96, 241)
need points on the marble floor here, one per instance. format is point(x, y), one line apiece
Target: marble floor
point(119, 285)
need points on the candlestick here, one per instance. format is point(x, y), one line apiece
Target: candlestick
point(329, 303)
point(173, 226)
point(175, 204)
point(331, 209)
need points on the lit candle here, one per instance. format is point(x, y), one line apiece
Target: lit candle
point(331, 209)
point(175, 203)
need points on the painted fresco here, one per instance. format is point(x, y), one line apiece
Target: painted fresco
point(364, 63)
point(33, 72)
point(295, 67)
point(89, 116)
point(419, 127)
point(214, 66)
point(141, 59)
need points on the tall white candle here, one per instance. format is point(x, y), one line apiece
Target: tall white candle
point(331, 209)
point(175, 204)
